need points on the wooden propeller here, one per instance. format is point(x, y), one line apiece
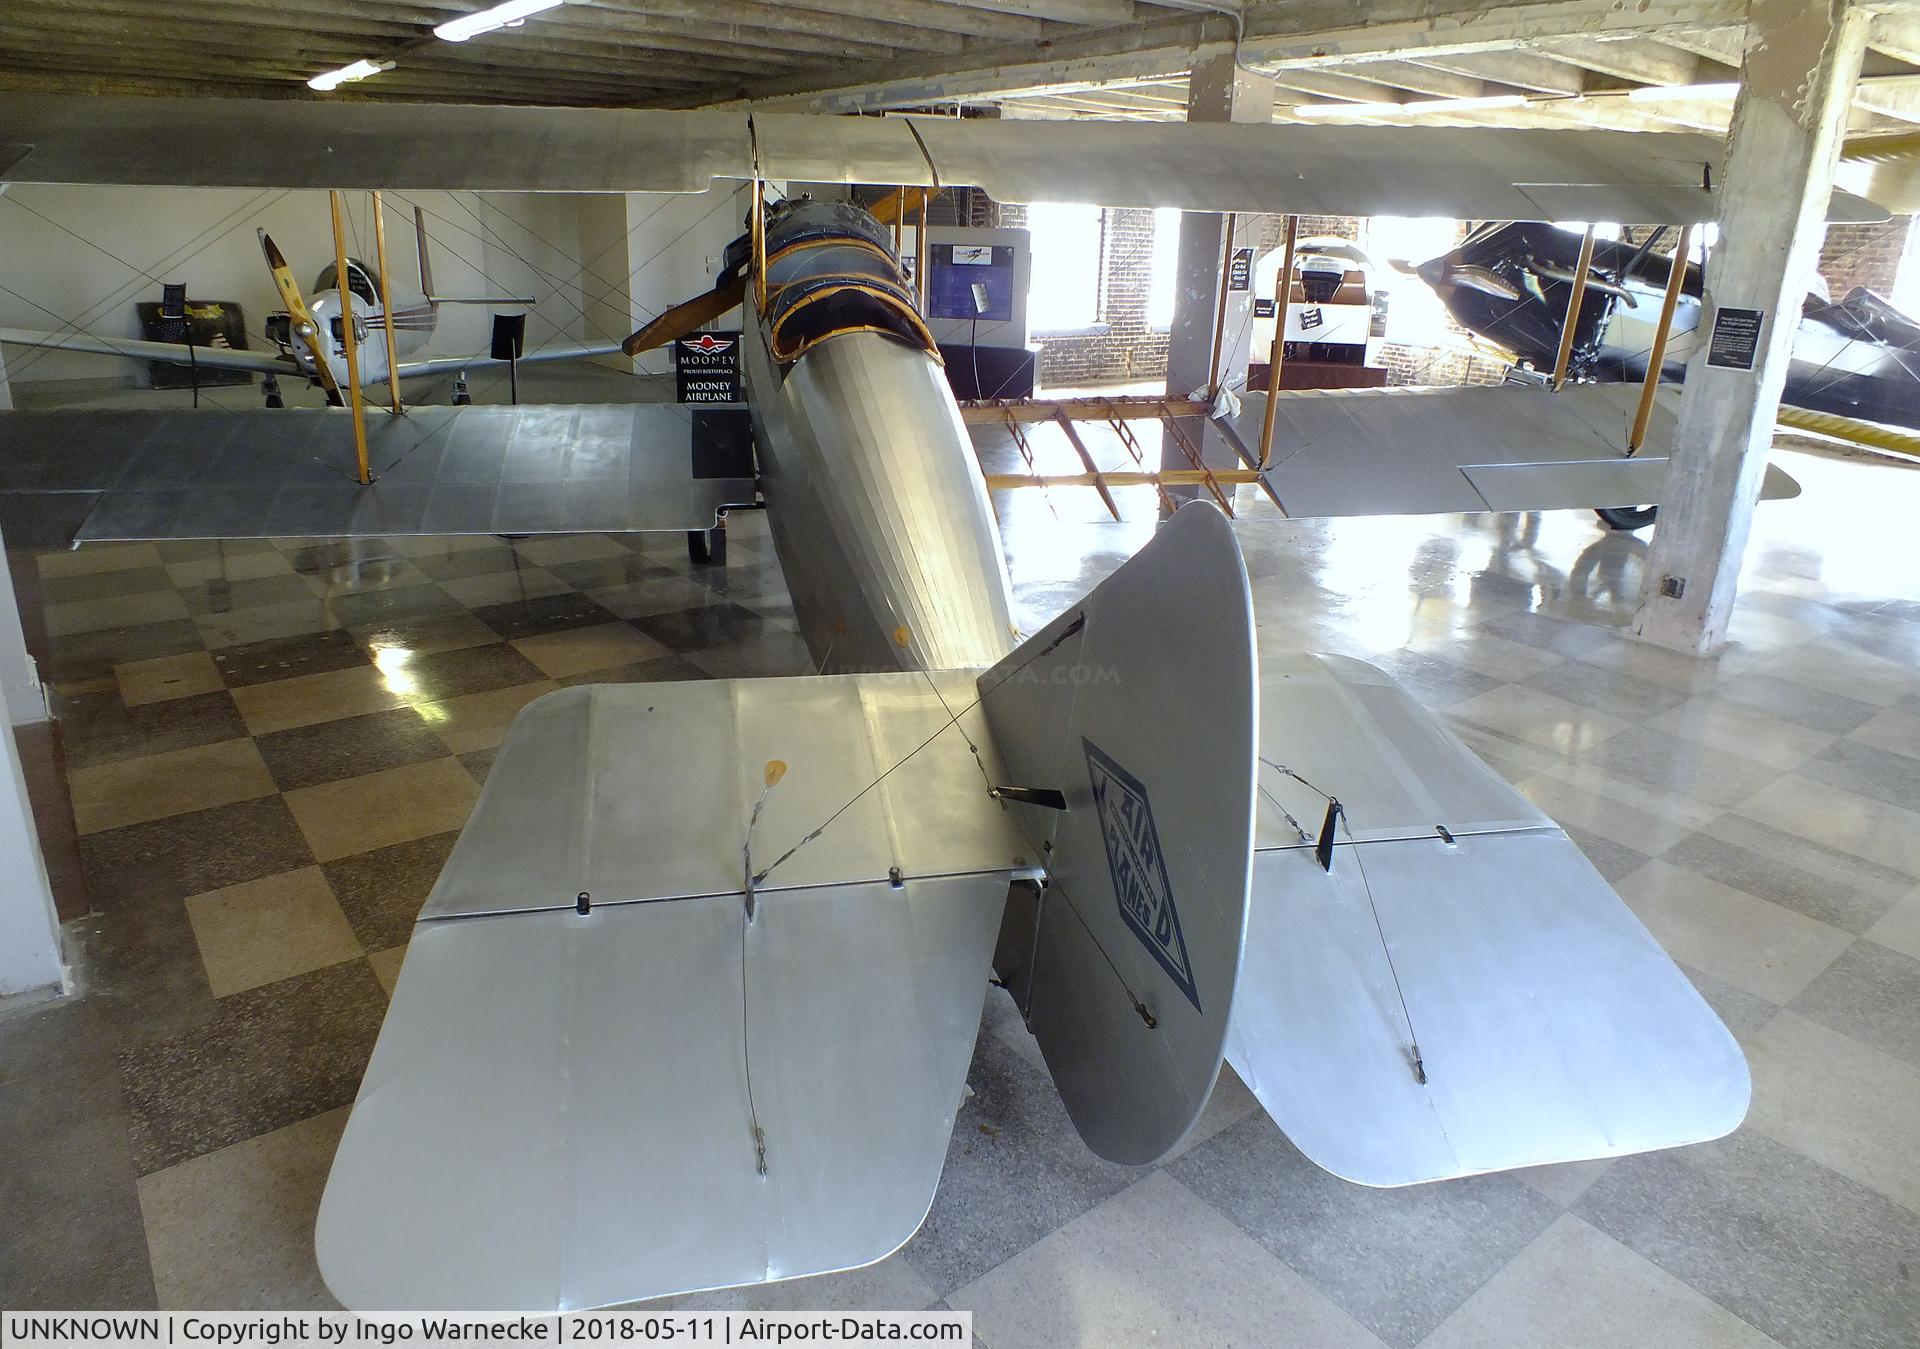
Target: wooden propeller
point(684, 317)
point(299, 316)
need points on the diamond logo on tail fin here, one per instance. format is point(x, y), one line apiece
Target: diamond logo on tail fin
point(1139, 871)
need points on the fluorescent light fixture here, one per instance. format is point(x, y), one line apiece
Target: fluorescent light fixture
point(1658, 93)
point(1413, 108)
point(488, 20)
point(1348, 109)
point(359, 70)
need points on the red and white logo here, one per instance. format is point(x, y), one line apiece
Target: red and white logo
point(706, 343)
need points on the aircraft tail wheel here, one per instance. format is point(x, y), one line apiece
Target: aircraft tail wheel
point(1627, 517)
point(708, 547)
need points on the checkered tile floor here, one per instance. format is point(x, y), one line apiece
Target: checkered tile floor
point(272, 747)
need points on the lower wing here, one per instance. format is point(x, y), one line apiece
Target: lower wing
point(214, 358)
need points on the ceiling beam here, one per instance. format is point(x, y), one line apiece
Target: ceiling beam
point(781, 18)
point(1897, 36)
point(1083, 13)
point(1293, 35)
point(1517, 69)
point(1418, 79)
point(160, 30)
point(1723, 47)
point(937, 16)
point(1638, 62)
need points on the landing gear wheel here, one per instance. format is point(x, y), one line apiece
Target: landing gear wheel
point(1627, 518)
point(707, 547)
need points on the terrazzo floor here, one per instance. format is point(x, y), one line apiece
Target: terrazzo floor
point(273, 745)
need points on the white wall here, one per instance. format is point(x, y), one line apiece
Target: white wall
point(606, 290)
point(481, 243)
point(674, 246)
point(597, 266)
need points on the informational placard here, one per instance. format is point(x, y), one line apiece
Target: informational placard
point(706, 368)
point(971, 281)
point(1736, 338)
point(1240, 270)
point(1263, 309)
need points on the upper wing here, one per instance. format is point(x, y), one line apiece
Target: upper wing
point(1491, 173)
point(214, 358)
point(122, 475)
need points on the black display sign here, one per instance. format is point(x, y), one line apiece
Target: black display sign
point(1736, 338)
point(509, 337)
point(1240, 270)
point(706, 368)
point(1263, 309)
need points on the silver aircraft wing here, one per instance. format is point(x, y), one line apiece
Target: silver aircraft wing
point(1476, 173)
point(214, 358)
point(561, 351)
point(608, 1074)
point(1411, 451)
point(107, 476)
point(1458, 990)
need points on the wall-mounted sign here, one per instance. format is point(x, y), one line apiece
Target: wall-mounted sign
point(1736, 338)
point(1240, 270)
point(1263, 309)
point(971, 281)
point(706, 368)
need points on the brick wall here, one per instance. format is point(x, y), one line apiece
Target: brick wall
point(1124, 346)
point(1864, 255)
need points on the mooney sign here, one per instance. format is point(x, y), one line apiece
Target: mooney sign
point(706, 368)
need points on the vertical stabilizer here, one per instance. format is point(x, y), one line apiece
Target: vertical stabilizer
point(426, 265)
point(1137, 706)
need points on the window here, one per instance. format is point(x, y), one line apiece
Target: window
point(1415, 315)
point(1165, 267)
point(1065, 295)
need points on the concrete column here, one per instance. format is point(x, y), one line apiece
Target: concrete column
point(29, 928)
point(1219, 91)
point(1802, 60)
point(29, 931)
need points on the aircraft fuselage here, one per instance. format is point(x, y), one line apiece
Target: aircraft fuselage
point(878, 508)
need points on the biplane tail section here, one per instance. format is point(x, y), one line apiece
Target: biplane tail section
point(1137, 707)
point(1437, 983)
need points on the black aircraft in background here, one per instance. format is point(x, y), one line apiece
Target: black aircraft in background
point(1509, 283)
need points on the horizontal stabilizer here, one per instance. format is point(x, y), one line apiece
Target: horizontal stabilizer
point(652, 1086)
point(557, 1113)
point(1459, 991)
point(130, 475)
point(1137, 707)
point(641, 792)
